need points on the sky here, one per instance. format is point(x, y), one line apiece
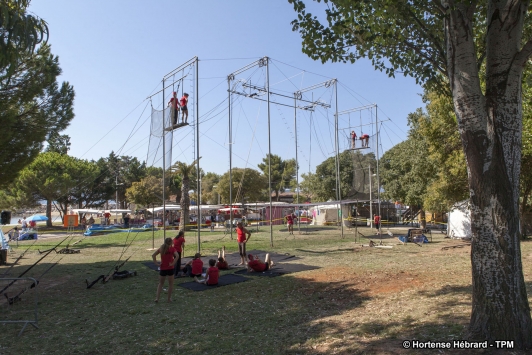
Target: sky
point(116, 53)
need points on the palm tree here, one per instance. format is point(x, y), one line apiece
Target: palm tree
point(184, 170)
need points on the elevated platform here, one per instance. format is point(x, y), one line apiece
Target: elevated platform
point(359, 148)
point(176, 126)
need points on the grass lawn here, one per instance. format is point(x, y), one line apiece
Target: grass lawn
point(361, 300)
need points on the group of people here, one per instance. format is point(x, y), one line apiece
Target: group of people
point(86, 223)
point(177, 104)
point(170, 264)
point(364, 138)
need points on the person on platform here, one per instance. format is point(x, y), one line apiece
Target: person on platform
point(256, 265)
point(174, 106)
point(365, 140)
point(184, 108)
point(241, 233)
point(179, 245)
point(211, 277)
point(222, 263)
point(166, 267)
point(353, 139)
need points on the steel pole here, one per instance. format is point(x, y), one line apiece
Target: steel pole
point(297, 168)
point(164, 168)
point(338, 158)
point(269, 148)
point(198, 157)
point(370, 200)
point(230, 161)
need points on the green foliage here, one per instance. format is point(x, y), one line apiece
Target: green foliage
point(248, 184)
point(146, 192)
point(53, 177)
point(33, 108)
point(354, 180)
point(283, 173)
point(19, 35)
point(208, 194)
point(58, 143)
point(397, 36)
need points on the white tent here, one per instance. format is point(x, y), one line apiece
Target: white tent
point(321, 214)
point(85, 210)
point(459, 225)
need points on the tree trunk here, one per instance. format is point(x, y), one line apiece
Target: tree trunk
point(49, 213)
point(422, 219)
point(185, 204)
point(490, 129)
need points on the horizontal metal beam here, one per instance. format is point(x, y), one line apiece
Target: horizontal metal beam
point(356, 109)
point(260, 62)
point(316, 103)
point(181, 67)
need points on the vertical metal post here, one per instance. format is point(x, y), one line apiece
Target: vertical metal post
point(230, 161)
point(370, 200)
point(378, 177)
point(164, 167)
point(198, 156)
point(297, 168)
point(339, 186)
point(269, 148)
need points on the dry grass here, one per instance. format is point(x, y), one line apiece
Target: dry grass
point(361, 301)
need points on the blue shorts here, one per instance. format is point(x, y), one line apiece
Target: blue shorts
point(184, 108)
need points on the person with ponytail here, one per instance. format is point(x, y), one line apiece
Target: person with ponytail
point(166, 267)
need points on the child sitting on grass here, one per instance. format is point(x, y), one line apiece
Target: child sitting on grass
point(211, 278)
point(222, 263)
point(194, 268)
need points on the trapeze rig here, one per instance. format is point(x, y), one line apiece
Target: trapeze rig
point(255, 92)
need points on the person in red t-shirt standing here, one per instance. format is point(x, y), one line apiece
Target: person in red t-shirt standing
point(184, 108)
point(166, 267)
point(353, 139)
point(174, 106)
point(211, 278)
point(377, 221)
point(179, 245)
point(222, 263)
point(241, 232)
point(258, 266)
point(290, 222)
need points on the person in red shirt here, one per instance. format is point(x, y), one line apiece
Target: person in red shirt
point(194, 267)
point(256, 265)
point(222, 263)
point(241, 232)
point(365, 140)
point(179, 245)
point(290, 222)
point(353, 139)
point(183, 102)
point(211, 278)
point(377, 221)
point(107, 216)
point(174, 106)
point(166, 267)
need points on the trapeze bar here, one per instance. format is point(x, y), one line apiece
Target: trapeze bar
point(176, 126)
point(251, 96)
point(290, 97)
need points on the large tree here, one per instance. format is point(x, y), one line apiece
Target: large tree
point(146, 192)
point(53, 177)
point(283, 172)
point(247, 184)
point(477, 51)
point(20, 33)
point(33, 108)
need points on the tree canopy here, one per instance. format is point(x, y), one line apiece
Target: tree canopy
point(476, 51)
